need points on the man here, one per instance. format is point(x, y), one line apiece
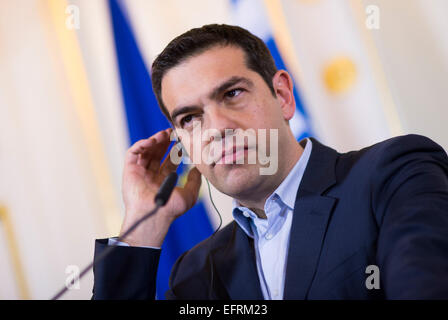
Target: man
point(311, 229)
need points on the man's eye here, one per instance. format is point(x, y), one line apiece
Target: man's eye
point(233, 93)
point(186, 119)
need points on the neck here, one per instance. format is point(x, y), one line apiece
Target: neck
point(290, 156)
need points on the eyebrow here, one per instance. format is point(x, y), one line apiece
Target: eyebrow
point(227, 84)
point(182, 110)
point(213, 95)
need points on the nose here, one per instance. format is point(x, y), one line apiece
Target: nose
point(219, 120)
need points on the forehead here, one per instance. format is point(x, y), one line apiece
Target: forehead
point(198, 74)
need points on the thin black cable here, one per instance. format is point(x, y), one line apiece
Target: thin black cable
point(214, 206)
point(217, 229)
point(107, 251)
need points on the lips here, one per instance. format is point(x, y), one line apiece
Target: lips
point(230, 155)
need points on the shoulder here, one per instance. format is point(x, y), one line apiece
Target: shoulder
point(402, 145)
point(405, 151)
point(378, 171)
point(394, 152)
point(405, 167)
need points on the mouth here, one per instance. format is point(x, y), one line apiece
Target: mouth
point(231, 155)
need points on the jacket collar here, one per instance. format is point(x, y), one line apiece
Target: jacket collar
point(312, 211)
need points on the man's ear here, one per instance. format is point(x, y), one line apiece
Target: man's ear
point(284, 90)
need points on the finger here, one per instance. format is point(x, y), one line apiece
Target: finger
point(153, 162)
point(142, 145)
point(191, 188)
point(149, 148)
point(164, 143)
point(131, 158)
point(168, 165)
point(132, 154)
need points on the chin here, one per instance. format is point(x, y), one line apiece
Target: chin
point(234, 180)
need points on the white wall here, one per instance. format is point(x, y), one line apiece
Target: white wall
point(412, 43)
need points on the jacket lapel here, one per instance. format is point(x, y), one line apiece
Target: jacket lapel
point(312, 211)
point(237, 268)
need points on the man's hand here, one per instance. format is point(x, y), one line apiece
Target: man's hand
point(142, 176)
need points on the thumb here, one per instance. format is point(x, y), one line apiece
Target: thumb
point(191, 188)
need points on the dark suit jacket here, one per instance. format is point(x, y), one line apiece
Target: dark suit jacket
point(384, 205)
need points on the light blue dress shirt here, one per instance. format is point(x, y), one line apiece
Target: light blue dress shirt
point(271, 235)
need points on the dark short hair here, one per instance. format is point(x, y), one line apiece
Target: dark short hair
point(198, 40)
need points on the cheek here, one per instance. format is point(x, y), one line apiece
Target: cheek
point(263, 115)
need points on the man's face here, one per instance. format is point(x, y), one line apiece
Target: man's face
point(215, 91)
